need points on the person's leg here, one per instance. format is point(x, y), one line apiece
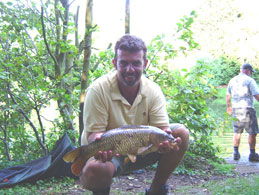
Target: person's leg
point(236, 140)
point(238, 127)
point(252, 130)
point(252, 141)
point(169, 161)
point(97, 176)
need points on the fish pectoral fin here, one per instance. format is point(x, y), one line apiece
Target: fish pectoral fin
point(132, 157)
point(149, 149)
point(143, 149)
point(126, 160)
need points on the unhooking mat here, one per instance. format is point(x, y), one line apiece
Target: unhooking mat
point(51, 165)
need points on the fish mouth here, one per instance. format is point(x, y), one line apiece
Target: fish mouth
point(172, 142)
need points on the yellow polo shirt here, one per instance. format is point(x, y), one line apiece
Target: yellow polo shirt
point(105, 108)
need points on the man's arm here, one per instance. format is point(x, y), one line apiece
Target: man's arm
point(256, 97)
point(228, 100)
point(93, 136)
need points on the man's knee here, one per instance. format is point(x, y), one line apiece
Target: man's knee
point(182, 132)
point(253, 136)
point(97, 175)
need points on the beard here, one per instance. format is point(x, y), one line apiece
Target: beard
point(130, 79)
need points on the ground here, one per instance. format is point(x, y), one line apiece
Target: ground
point(137, 182)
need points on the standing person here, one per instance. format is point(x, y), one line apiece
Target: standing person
point(126, 97)
point(243, 89)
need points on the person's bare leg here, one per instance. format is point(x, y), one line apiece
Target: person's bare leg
point(252, 141)
point(170, 161)
point(97, 175)
point(236, 139)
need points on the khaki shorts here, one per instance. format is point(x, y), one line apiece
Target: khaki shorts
point(141, 162)
point(245, 119)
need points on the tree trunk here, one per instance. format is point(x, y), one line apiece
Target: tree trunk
point(127, 17)
point(86, 64)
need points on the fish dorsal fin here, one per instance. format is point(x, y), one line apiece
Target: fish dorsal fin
point(132, 157)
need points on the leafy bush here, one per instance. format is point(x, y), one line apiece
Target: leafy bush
point(221, 69)
point(186, 94)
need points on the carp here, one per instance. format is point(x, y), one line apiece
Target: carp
point(126, 141)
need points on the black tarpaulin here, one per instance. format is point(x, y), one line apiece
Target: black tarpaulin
point(51, 165)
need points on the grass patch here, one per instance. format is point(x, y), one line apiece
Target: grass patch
point(47, 186)
point(247, 185)
point(223, 169)
point(241, 185)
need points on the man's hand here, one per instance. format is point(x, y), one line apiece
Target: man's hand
point(103, 156)
point(165, 147)
point(229, 110)
point(228, 101)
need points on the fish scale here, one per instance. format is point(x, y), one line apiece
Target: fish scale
point(127, 140)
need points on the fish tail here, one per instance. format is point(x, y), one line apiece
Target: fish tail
point(78, 160)
point(72, 155)
point(78, 165)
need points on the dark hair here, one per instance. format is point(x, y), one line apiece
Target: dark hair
point(130, 43)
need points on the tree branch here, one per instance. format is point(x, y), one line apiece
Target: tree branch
point(28, 120)
point(46, 43)
point(41, 124)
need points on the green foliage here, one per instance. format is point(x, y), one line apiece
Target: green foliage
point(29, 81)
point(223, 168)
point(236, 185)
point(186, 34)
point(221, 69)
point(198, 165)
point(46, 186)
point(101, 64)
point(239, 185)
point(186, 94)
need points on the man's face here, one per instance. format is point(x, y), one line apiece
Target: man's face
point(250, 73)
point(129, 66)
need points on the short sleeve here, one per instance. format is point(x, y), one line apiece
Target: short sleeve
point(95, 116)
point(158, 115)
point(253, 87)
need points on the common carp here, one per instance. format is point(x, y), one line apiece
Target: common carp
point(127, 140)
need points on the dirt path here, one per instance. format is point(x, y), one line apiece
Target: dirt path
point(137, 182)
